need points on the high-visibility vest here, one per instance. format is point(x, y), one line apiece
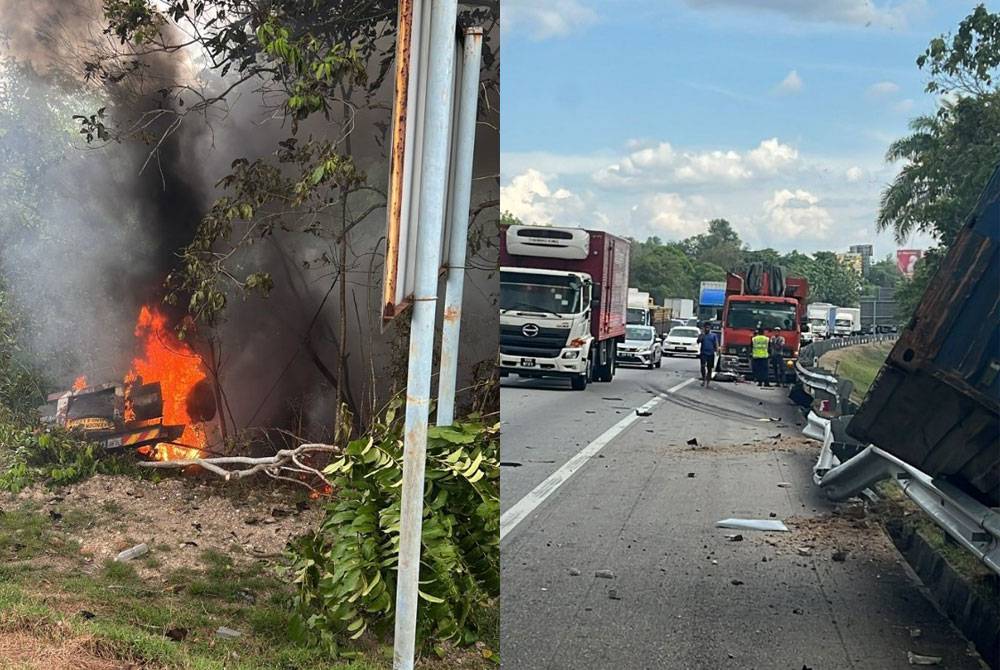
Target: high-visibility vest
point(759, 343)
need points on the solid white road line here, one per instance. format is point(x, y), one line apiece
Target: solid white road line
point(517, 512)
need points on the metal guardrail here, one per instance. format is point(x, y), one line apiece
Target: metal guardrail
point(972, 524)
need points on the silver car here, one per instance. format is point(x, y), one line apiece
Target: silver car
point(641, 346)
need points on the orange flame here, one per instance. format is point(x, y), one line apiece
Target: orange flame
point(80, 383)
point(170, 361)
point(323, 492)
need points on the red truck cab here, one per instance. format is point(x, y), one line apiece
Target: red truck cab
point(761, 304)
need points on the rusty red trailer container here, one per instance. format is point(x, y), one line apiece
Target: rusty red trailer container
point(936, 402)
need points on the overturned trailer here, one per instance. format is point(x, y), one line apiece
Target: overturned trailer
point(936, 402)
point(115, 416)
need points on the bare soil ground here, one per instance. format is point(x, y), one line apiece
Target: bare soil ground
point(178, 518)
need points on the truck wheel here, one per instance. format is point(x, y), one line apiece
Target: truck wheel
point(579, 382)
point(605, 372)
point(659, 361)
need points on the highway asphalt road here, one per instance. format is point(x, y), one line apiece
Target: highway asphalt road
point(589, 486)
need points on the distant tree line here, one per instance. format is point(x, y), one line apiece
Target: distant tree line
point(676, 269)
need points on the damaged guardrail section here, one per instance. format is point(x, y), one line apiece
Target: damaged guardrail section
point(846, 467)
point(972, 524)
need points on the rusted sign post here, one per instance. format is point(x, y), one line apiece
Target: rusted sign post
point(421, 151)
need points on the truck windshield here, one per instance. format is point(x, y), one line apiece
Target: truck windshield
point(843, 322)
point(764, 315)
point(817, 322)
point(544, 293)
point(635, 315)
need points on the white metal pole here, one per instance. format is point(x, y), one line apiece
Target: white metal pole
point(433, 187)
point(458, 217)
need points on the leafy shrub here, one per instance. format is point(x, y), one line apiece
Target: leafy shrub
point(54, 457)
point(345, 572)
point(20, 383)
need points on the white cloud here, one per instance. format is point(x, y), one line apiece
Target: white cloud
point(845, 12)
point(669, 216)
point(529, 198)
point(904, 106)
point(771, 155)
point(792, 83)
point(545, 20)
point(854, 174)
point(661, 164)
point(796, 214)
point(883, 89)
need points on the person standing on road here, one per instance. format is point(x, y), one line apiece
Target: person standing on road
point(709, 345)
point(758, 357)
point(777, 350)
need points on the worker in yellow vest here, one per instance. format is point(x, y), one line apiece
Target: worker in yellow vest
point(759, 356)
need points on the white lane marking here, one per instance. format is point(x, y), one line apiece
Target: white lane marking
point(517, 512)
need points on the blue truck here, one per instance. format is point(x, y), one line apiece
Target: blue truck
point(711, 299)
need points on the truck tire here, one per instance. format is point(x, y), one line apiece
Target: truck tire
point(606, 372)
point(579, 383)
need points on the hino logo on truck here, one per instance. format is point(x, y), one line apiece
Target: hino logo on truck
point(529, 330)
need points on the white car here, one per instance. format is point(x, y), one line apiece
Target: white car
point(681, 340)
point(641, 346)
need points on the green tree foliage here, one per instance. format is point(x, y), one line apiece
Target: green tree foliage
point(346, 570)
point(720, 246)
point(664, 270)
point(20, 383)
point(830, 281)
point(508, 219)
point(884, 273)
point(950, 155)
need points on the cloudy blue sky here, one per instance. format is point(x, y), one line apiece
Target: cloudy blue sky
point(649, 117)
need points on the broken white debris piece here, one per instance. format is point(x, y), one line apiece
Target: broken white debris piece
point(753, 524)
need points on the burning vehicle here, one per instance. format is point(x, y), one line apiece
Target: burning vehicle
point(164, 407)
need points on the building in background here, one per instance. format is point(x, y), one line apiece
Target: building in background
point(853, 261)
point(906, 260)
point(866, 252)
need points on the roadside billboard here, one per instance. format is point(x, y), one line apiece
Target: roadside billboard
point(906, 260)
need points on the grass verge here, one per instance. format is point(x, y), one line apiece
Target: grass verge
point(58, 609)
point(859, 363)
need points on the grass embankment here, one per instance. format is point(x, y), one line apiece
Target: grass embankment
point(859, 363)
point(896, 507)
point(62, 607)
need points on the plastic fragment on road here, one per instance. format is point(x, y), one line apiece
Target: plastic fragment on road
point(227, 632)
point(135, 552)
point(918, 659)
point(754, 524)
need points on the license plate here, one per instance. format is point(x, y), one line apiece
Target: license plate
point(113, 443)
point(527, 362)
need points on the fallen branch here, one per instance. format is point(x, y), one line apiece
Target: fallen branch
point(269, 465)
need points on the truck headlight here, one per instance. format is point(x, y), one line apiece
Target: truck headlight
point(571, 354)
